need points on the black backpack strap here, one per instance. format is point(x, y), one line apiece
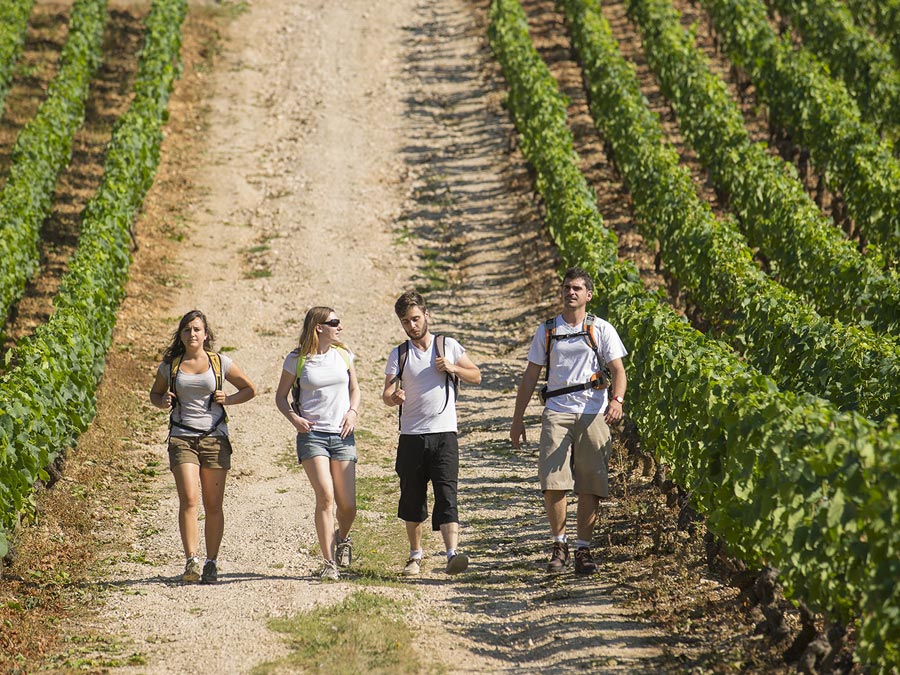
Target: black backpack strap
point(599, 380)
point(440, 343)
point(215, 362)
point(402, 358)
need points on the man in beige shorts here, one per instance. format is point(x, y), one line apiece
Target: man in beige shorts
point(584, 392)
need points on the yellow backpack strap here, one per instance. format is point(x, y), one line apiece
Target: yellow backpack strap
point(295, 388)
point(344, 355)
point(215, 362)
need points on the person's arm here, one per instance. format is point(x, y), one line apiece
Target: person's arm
point(526, 390)
point(245, 388)
point(160, 396)
point(619, 385)
point(464, 369)
point(352, 415)
point(284, 407)
point(392, 395)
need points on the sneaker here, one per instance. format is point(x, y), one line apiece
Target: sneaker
point(343, 552)
point(458, 563)
point(191, 571)
point(558, 558)
point(329, 571)
point(412, 567)
point(210, 573)
point(584, 561)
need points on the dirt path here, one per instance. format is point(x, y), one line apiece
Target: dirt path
point(344, 139)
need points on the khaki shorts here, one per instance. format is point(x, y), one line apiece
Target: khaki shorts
point(569, 439)
point(212, 452)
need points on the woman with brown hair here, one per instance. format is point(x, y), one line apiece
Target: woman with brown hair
point(320, 378)
point(189, 382)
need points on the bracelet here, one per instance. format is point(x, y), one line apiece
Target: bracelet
point(354, 410)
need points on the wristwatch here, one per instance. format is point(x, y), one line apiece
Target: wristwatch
point(619, 399)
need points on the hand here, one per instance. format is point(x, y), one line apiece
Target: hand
point(348, 423)
point(613, 412)
point(398, 396)
point(517, 433)
point(302, 425)
point(445, 366)
point(219, 397)
point(169, 399)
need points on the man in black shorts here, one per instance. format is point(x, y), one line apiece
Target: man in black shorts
point(421, 377)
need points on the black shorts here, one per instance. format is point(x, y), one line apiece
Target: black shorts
point(422, 458)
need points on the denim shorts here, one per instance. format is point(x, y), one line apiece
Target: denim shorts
point(322, 444)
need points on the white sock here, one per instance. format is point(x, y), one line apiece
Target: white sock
point(561, 539)
point(211, 560)
point(450, 553)
point(415, 554)
point(581, 543)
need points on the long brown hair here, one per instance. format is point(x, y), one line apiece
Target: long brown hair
point(176, 347)
point(309, 338)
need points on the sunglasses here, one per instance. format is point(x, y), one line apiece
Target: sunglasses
point(334, 323)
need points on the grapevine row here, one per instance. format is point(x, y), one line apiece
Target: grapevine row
point(780, 477)
point(819, 112)
point(853, 54)
point(883, 16)
point(13, 24)
point(44, 148)
point(47, 396)
point(805, 252)
point(780, 333)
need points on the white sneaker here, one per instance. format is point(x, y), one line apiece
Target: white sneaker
point(343, 552)
point(329, 571)
point(412, 567)
point(192, 571)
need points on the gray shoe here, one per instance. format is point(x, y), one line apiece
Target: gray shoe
point(412, 567)
point(458, 563)
point(329, 571)
point(191, 571)
point(343, 552)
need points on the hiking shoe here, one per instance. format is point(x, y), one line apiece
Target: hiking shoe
point(412, 567)
point(191, 571)
point(343, 552)
point(584, 561)
point(558, 558)
point(210, 573)
point(329, 571)
point(457, 563)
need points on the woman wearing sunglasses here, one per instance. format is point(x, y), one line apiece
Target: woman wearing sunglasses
point(319, 395)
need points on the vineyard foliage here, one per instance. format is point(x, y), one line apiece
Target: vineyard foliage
point(884, 17)
point(804, 250)
point(13, 24)
point(819, 113)
point(47, 393)
point(786, 480)
point(778, 331)
point(44, 148)
point(852, 53)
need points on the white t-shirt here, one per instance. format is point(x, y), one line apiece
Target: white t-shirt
point(426, 389)
point(573, 361)
point(193, 392)
point(324, 388)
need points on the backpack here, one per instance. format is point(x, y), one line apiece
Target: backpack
point(599, 380)
point(215, 362)
point(439, 347)
point(301, 361)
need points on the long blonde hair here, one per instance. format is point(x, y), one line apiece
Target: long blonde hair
point(309, 338)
